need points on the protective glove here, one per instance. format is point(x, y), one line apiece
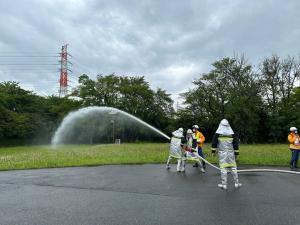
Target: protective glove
point(194, 150)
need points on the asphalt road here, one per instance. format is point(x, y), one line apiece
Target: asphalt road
point(145, 194)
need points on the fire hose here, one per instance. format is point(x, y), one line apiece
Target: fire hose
point(252, 170)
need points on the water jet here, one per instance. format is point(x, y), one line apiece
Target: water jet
point(101, 124)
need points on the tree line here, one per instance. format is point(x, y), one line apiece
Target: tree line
point(260, 102)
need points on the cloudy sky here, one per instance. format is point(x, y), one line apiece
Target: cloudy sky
point(169, 42)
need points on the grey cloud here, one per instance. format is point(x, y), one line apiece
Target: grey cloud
point(169, 42)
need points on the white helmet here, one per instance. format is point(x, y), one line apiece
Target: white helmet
point(292, 129)
point(178, 133)
point(195, 127)
point(189, 131)
point(224, 128)
point(224, 122)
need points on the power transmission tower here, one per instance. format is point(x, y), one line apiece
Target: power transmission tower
point(63, 81)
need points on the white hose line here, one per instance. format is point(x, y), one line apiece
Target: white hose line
point(253, 170)
point(268, 170)
point(212, 165)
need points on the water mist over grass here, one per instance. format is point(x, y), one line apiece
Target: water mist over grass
point(102, 125)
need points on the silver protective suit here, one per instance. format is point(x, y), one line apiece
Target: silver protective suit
point(227, 159)
point(176, 150)
point(226, 152)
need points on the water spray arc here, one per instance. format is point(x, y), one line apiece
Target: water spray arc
point(73, 117)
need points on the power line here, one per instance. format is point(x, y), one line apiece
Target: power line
point(33, 70)
point(29, 70)
point(31, 74)
point(28, 63)
point(22, 51)
point(83, 67)
point(75, 82)
point(72, 75)
point(37, 62)
point(31, 64)
point(29, 56)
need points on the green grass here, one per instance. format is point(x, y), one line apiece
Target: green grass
point(29, 157)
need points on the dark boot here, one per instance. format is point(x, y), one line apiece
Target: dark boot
point(292, 167)
point(291, 164)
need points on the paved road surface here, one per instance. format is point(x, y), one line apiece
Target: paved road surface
point(145, 194)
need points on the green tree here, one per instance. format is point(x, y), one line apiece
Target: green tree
point(28, 118)
point(230, 90)
point(130, 94)
point(163, 111)
point(278, 78)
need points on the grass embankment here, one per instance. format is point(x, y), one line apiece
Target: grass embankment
point(29, 157)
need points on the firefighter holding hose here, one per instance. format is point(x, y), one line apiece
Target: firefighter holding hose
point(226, 144)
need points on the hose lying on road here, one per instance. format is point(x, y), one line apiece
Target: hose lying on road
point(253, 170)
point(268, 170)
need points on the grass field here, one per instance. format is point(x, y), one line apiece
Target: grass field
point(29, 157)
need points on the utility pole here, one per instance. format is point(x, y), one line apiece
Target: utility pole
point(113, 120)
point(63, 81)
point(113, 130)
